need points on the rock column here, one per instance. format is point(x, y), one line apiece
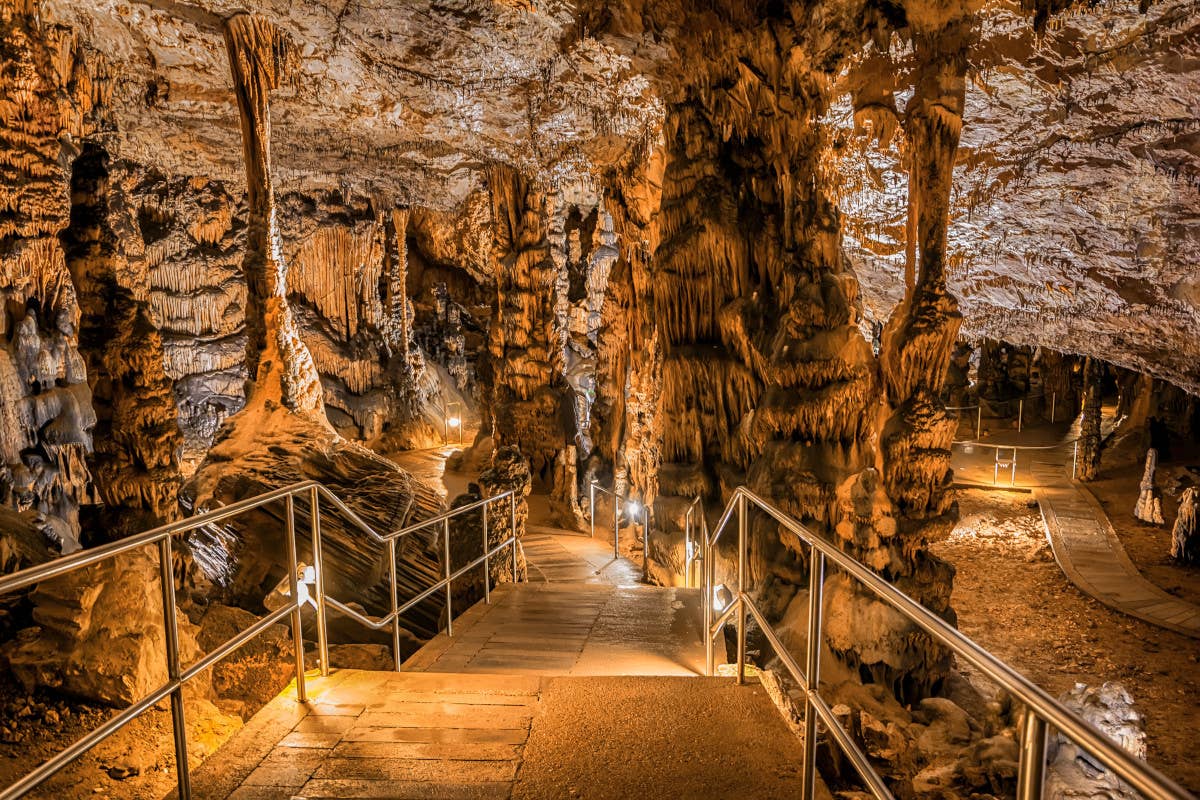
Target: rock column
point(1089, 423)
point(280, 366)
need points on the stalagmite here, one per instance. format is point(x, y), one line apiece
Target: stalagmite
point(1090, 442)
point(1149, 504)
point(278, 363)
point(1185, 535)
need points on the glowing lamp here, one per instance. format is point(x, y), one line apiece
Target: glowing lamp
point(454, 422)
point(633, 507)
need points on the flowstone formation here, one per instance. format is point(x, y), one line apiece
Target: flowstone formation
point(49, 94)
point(766, 379)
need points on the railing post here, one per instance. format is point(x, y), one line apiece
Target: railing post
point(687, 547)
point(645, 544)
point(707, 589)
point(166, 575)
point(512, 512)
point(446, 556)
point(816, 606)
point(1031, 773)
point(592, 505)
point(741, 585)
point(978, 420)
point(314, 502)
point(1075, 460)
point(1053, 404)
point(395, 604)
point(294, 588)
point(1020, 413)
point(487, 570)
point(616, 526)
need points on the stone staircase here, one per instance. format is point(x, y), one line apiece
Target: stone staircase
point(583, 684)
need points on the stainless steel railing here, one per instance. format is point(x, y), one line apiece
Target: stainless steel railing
point(1042, 710)
point(632, 506)
point(1011, 462)
point(693, 553)
point(177, 675)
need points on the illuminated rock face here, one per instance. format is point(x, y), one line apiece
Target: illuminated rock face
point(642, 240)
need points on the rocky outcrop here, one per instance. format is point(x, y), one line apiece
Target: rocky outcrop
point(99, 633)
point(49, 93)
point(1072, 774)
point(1185, 535)
point(137, 440)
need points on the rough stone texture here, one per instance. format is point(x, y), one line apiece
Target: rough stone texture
point(1071, 773)
point(1185, 535)
point(99, 633)
point(422, 94)
point(509, 470)
point(48, 92)
point(136, 437)
point(1075, 191)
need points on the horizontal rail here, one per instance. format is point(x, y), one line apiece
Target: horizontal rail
point(162, 536)
point(995, 445)
point(1141, 776)
point(379, 623)
point(85, 558)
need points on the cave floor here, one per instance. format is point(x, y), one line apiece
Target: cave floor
point(1082, 538)
point(446, 736)
point(583, 684)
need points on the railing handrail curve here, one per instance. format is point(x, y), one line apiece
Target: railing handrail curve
point(1141, 776)
point(178, 674)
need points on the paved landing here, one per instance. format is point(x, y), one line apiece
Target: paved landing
point(573, 629)
point(575, 558)
point(1080, 534)
point(427, 735)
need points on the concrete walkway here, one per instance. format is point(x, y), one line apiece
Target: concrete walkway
point(438, 736)
point(1081, 536)
point(582, 683)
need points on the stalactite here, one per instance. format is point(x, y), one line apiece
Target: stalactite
point(47, 102)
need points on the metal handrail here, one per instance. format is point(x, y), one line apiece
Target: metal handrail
point(1015, 447)
point(177, 675)
point(691, 553)
point(1042, 710)
point(617, 500)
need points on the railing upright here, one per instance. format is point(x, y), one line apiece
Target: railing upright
point(395, 602)
point(487, 570)
point(289, 513)
point(314, 501)
point(446, 556)
point(171, 631)
point(512, 511)
point(741, 587)
point(812, 675)
point(1031, 771)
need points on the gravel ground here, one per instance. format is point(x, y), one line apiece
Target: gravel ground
point(1013, 599)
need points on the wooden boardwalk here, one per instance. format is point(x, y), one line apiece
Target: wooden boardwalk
point(1080, 534)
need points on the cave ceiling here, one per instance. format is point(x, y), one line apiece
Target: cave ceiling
point(1076, 215)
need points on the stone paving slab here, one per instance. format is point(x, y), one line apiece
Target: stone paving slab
point(569, 736)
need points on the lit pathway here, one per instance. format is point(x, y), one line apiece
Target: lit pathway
point(581, 683)
point(1080, 534)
